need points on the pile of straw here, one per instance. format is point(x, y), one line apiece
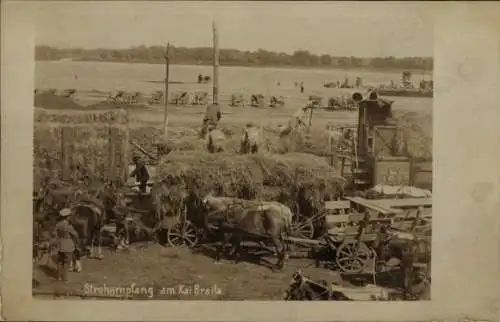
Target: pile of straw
point(50, 100)
point(296, 179)
point(187, 139)
point(96, 141)
point(417, 133)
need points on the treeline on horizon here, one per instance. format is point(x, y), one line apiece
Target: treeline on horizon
point(230, 57)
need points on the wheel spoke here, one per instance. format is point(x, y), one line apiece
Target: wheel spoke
point(344, 252)
point(345, 259)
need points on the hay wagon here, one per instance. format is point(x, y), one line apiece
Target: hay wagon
point(156, 98)
point(181, 98)
point(257, 100)
point(237, 100)
point(316, 101)
point(276, 101)
point(200, 98)
point(348, 241)
point(340, 103)
point(174, 227)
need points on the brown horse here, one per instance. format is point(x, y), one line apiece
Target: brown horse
point(251, 221)
point(53, 196)
point(88, 221)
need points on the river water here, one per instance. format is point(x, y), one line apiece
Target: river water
point(147, 78)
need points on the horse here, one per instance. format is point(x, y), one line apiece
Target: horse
point(392, 243)
point(53, 196)
point(220, 204)
point(88, 221)
point(90, 203)
point(250, 140)
point(90, 214)
point(240, 220)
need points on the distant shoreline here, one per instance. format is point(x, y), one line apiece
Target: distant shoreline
point(324, 67)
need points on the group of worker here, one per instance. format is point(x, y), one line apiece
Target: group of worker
point(66, 238)
point(213, 115)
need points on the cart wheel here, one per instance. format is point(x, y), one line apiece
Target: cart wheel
point(352, 259)
point(183, 234)
point(303, 227)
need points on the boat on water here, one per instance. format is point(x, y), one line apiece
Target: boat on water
point(407, 88)
point(405, 93)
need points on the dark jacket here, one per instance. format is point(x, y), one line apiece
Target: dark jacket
point(213, 114)
point(140, 173)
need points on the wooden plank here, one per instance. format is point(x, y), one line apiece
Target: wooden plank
point(342, 204)
point(353, 218)
point(297, 240)
point(403, 203)
point(336, 219)
point(372, 206)
point(143, 151)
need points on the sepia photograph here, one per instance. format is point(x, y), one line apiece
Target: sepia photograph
point(232, 151)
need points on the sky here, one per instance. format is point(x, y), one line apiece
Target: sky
point(359, 29)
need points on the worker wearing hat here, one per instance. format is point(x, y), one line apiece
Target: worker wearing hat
point(66, 245)
point(211, 118)
point(297, 119)
point(140, 173)
point(301, 113)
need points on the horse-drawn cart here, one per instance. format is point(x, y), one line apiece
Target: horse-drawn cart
point(351, 238)
point(172, 226)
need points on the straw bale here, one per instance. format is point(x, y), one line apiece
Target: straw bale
point(95, 141)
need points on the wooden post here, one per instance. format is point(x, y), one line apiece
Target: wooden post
point(124, 162)
point(216, 64)
point(330, 148)
point(165, 95)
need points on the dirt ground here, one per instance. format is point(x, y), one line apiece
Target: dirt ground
point(151, 265)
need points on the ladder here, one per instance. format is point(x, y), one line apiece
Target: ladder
point(352, 165)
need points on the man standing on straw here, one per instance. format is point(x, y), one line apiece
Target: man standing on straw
point(140, 173)
point(298, 118)
point(211, 118)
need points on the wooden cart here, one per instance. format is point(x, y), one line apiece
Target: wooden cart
point(349, 240)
